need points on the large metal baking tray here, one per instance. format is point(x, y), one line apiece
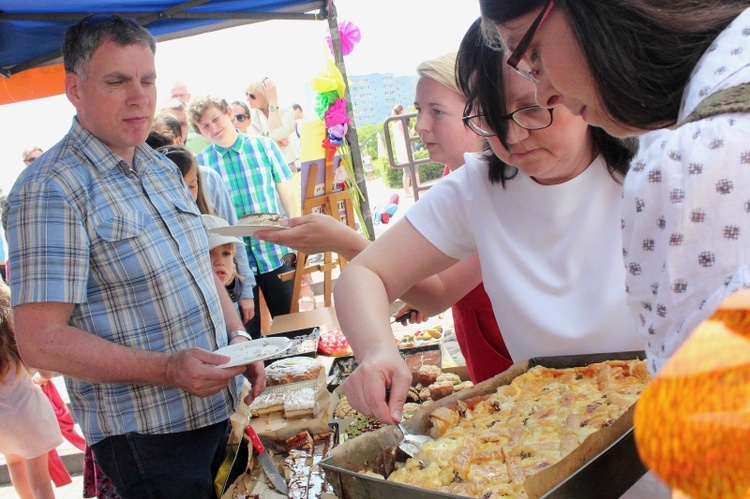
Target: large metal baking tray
point(607, 475)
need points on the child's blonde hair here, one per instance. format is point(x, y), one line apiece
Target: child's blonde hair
point(9, 354)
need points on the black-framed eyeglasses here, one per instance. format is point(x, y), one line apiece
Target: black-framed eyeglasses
point(523, 45)
point(249, 95)
point(530, 118)
point(241, 117)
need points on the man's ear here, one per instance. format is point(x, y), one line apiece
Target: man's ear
point(73, 88)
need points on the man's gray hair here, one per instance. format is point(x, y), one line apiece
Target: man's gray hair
point(85, 36)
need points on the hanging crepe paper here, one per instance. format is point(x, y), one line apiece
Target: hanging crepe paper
point(349, 35)
point(336, 134)
point(336, 114)
point(330, 107)
point(336, 121)
point(323, 102)
point(331, 80)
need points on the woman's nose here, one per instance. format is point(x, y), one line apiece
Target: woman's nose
point(516, 133)
point(546, 94)
point(421, 124)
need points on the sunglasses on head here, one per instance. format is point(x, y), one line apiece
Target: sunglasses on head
point(250, 96)
point(241, 117)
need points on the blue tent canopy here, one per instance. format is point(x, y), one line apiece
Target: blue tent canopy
point(31, 31)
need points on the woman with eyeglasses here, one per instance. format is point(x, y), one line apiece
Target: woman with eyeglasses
point(680, 67)
point(270, 120)
point(241, 115)
point(542, 214)
point(688, 183)
point(31, 154)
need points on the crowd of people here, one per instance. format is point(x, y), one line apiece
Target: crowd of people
point(587, 211)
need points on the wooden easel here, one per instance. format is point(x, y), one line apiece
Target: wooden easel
point(330, 203)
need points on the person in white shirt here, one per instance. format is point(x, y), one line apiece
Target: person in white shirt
point(543, 215)
point(685, 198)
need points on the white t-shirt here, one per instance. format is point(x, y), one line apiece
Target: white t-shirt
point(686, 207)
point(551, 255)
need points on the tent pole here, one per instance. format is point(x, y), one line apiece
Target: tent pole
point(359, 173)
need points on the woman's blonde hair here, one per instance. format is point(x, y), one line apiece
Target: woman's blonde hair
point(257, 87)
point(441, 69)
point(8, 348)
point(27, 152)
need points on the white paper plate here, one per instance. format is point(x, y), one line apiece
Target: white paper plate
point(248, 352)
point(244, 229)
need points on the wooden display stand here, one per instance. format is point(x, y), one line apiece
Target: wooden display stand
point(329, 203)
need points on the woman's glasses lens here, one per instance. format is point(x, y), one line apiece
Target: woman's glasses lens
point(478, 125)
point(533, 118)
point(250, 96)
point(527, 74)
point(530, 118)
point(241, 117)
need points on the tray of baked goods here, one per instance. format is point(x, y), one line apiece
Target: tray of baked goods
point(429, 383)
point(333, 343)
point(546, 427)
point(296, 390)
point(295, 452)
point(415, 357)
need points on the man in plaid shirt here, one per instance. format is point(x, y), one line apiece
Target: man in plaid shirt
point(112, 282)
point(259, 181)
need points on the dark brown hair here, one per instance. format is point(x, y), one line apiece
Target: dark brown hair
point(185, 161)
point(479, 69)
point(640, 53)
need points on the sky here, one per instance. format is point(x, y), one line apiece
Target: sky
point(397, 35)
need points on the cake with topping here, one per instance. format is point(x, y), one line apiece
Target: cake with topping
point(260, 219)
point(292, 370)
point(267, 403)
point(301, 405)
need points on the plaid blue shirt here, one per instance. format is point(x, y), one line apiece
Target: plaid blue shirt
point(130, 251)
point(251, 168)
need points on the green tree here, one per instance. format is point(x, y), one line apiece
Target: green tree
point(368, 138)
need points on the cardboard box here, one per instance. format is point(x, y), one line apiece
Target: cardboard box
point(378, 450)
point(303, 321)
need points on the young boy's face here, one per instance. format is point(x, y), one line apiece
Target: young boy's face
point(222, 262)
point(217, 126)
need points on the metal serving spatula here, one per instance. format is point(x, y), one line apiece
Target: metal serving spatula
point(411, 443)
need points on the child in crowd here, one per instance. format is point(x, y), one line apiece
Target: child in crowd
point(223, 251)
point(185, 161)
point(28, 427)
point(212, 198)
point(254, 171)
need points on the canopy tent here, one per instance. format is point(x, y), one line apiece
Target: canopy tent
point(31, 32)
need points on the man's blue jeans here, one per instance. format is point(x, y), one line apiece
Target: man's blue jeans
point(173, 465)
